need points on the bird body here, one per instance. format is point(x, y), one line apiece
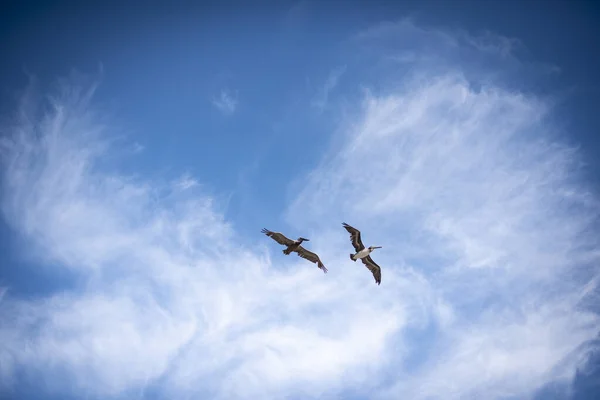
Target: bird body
point(295, 246)
point(291, 245)
point(363, 253)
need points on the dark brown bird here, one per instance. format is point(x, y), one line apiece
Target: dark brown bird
point(295, 245)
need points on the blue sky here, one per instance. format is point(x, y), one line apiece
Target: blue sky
point(144, 147)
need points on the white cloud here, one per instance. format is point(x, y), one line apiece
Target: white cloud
point(483, 231)
point(166, 293)
point(226, 102)
point(467, 186)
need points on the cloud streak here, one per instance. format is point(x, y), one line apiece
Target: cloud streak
point(226, 103)
point(321, 99)
point(487, 249)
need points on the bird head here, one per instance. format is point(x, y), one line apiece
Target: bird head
point(374, 247)
point(301, 239)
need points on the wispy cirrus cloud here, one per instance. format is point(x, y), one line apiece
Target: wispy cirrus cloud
point(226, 102)
point(185, 182)
point(486, 255)
point(138, 147)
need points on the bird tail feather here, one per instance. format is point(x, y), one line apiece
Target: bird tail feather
point(323, 267)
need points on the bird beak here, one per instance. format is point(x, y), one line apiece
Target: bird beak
point(377, 247)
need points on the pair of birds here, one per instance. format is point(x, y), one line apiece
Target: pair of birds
point(362, 253)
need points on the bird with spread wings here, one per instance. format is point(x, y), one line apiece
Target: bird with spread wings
point(295, 246)
point(363, 253)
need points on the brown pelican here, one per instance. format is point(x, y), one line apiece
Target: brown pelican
point(295, 245)
point(363, 253)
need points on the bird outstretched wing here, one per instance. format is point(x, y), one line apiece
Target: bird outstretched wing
point(373, 267)
point(278, 237)
point(310, 256)
point(354, 237)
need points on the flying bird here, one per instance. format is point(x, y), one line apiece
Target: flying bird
point(363, 253)
point(295, 245)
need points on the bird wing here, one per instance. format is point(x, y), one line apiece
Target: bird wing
point(278, 237)
point(310, 256)
point(354, 237)
point(373, 267)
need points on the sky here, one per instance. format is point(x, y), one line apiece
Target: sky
point(143, 148)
